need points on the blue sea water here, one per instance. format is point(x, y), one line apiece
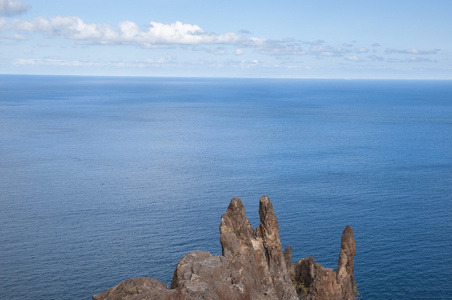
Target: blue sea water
point(107, 178)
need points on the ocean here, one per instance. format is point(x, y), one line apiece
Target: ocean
point(107, 178)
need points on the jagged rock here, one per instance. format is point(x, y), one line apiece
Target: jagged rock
point(255, 254)
point(252, 266)
point(314, 282)
point(200, 274)
point(244, 250)
point(268, 230)
point(346, 263)
point(142, 288)
point(304, 274)
point(288, 260)
point(325, 286)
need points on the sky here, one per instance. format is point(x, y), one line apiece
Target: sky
point(346, 39)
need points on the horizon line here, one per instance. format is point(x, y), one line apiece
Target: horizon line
point(224, 77)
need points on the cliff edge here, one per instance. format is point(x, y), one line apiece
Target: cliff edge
point(252, 266)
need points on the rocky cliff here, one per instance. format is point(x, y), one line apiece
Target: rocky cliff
point(252, 266)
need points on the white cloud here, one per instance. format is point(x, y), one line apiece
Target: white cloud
point(353, 58)
point(167, 35)
point(362, 50)
point(247, 64)
point(161, 60)
point(68, 27)
point(50, 62)
point(419, 59)
point(328, 51)
point(77, 63)
point(211, 50)
point(297, 66)
point(11, 8)
point(411, 51)
point(15, 37)
point(412, 59)
point(155, 35)
point(238, 51)
point(281, 49)
point(127, 32)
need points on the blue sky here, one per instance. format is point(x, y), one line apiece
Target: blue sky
point(199, 38)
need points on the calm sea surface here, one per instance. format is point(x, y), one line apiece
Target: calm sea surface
point(103, 179)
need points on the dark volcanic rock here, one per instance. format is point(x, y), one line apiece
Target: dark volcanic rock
point(252, 266)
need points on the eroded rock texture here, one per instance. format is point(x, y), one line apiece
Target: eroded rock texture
point(312, 281)
point(346, 264)
point(255, 256)
point(252, 266)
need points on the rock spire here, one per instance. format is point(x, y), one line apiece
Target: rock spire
point(252, 266)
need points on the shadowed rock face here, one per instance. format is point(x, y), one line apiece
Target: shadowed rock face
point(312, 281)
point(252, 266)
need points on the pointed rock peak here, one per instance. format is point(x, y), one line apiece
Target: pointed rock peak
point(265, 201)
point(264, 198)
point(345, 265)
point(347, 236)
point(252, 266)
point(348, 247)
point(235, 228)
point(236, 207)
point(267, 214)
point(347, 233)
point(235, 214)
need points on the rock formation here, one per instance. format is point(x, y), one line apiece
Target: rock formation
point(312, 281)
point(252, 266)
point(346, 263)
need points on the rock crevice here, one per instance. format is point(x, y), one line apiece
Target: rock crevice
point(252, 266)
